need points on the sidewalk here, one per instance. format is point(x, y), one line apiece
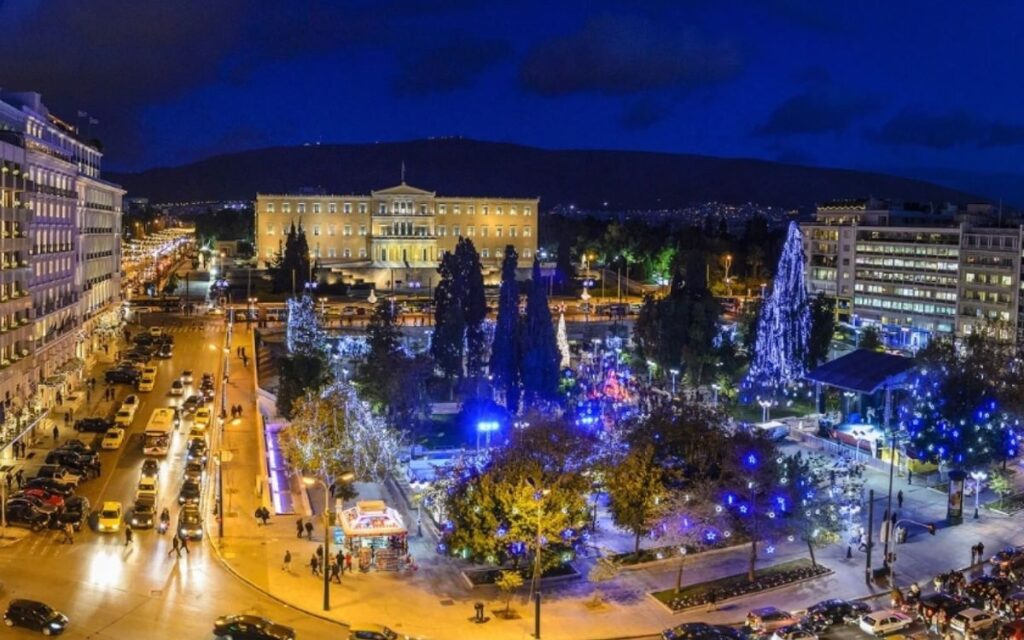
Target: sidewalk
point(436, 603)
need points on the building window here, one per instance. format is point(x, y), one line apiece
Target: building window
point(470, 231)
point(286, 207)
point(347, 253)
point(511, 232)
point(300, 208)
point(362, 229)
point(382, 210)
point(423, 209)
point(316, 207)
point(483, 210)
point(526, 211)
point(497, 253)
point(483, 232)
point(485, 253)
point(332, 253)
point(346, 207)
point(331, 229)
point(348, 230)
point(497, 232)
point(497, 211)
point(456, 209)
point(317, 252)
point(441, 230)
point(316, 229)
point(332, 207)
point(270, 229)
point(511, 211)
point(270, 207)
point(362, 209)
point(442, 209)
point(527, 232)
point(527, 253)
point(470, 209)
point(455, 230)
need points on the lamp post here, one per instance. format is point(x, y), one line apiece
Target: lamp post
point(535, 583)
point(674, 372)
point(765, 407)
point(486, 427)
point(891, 557)
point(650, 371)
point(715, 387)
point(978, 477)
point(309, 482)
point(585, 297)
point(728, 265)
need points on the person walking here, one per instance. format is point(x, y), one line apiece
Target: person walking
point(69, 533)
point(309, 530)
point(127, 534)
point(336, 572)
point(175, 546)
point(56, 431)
point(19, 477)
point(258, 515)
point(348, 561)
point(298, 528)
point(264, 515)
point(184, 545)
point(981, 551)
point(287, 564)
point(9, 479)
point(314, 565)
point(899, 499)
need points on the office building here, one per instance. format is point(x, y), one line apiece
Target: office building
point(397, 234)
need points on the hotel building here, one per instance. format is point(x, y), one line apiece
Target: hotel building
point(395, 234)
point(916, 271)
point(59, 251)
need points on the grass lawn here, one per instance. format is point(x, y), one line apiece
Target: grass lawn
point(732, 586)
point(752, 412)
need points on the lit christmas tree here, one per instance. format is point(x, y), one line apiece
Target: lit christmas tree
point(784, 328)
point(563, 342)
point(305, 335)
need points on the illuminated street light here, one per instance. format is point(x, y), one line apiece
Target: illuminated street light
point(978, 477)
point(309, 482)
point(486, 427)
point(674, 372)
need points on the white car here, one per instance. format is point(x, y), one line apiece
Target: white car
point(156, 332)
point(202, 417)
point(177, 388)
point(147, 487)
point(147, 383)
point(186, 376)
point(131, 401)
point(794, 632)
point(880, 623)
point(973, 619)
point(124, 417)
point(113, 438)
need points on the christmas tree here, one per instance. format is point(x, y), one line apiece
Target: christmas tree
point(563, 342)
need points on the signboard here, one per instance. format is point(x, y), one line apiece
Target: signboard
point(337, 536)
point(955, 506)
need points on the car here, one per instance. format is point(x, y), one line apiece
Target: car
point(202, 417)
point(51, 485)
point(177, 388)
point(58, 472)
point(150, 468)
point(189, 493)
point(207, 377)
point(191, 404)
point(77, 504)
point(880, 623)
point(110, 516)
point(55, 500)
point(31, 502)
point(193, 471)
point(74, 460)
point(131, 401)
point(121, 375)
point(35, 615)
point(143, 513)
point(374, 632)
point(156, 332)
point(794, 632)
point(197, 451)
point(973, 620)
point(834, 611)
point(166, 351)
point(697, 631)
point(75, 445)
point(1010, 557)
point(24, 514)
point(146, 383)
point(186, 376)
point(251, 628)
point(112, 439)
point(93, 425)
point(768, 619)
point(943, 602)
point(124, 417)
point(130, 409)
point(190, 522)
point(207, 393)
point(147, 487)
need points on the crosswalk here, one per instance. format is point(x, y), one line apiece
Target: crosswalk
point(191, 328)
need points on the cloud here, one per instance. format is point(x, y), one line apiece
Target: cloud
point(915, 127)
point(619, 55)
point(449, 66)
point(645, 113)
point(823, 108)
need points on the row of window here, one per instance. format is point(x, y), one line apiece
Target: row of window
point(924, 250)
point(408, 229)
point(397, 207)
point(909, 307)
point(899, 263)
point(332, 252)
point(906, 292)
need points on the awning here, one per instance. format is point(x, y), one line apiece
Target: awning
point(371, 518)
point(863, 371)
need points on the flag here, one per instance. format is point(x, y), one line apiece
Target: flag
point(94, 121)
point(82, 114)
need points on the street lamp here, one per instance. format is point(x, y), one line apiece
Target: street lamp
point(674, 372)
point(585, 297)
point(715, 387)
point(309, 482)
point(486, 427)
point(539, 496)
point(978, 477)
point(650, 370)
point(765, 406)
point(728, 265)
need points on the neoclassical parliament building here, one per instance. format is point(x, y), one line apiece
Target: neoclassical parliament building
point(396, 234)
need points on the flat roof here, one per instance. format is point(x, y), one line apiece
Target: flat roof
point(862, 371)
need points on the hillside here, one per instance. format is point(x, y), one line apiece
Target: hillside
point(586, 178)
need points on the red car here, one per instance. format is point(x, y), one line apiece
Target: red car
point(45, 497)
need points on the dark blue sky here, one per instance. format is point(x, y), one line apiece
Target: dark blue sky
point(932, 88)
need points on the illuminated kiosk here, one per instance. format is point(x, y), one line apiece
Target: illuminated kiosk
point(375, 534)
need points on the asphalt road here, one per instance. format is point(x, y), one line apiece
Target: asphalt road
point(110, 590)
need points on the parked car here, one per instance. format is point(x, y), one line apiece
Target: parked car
point(71, 459)
point(374, 632)
point(93, 425)
point(77, 504)
point(944, 602)
point(794, 632)
point(35, 615)
point(24, 514)
point(59, 473)
point(113, 438)
point(121, 375)
point(76, 445)
point(110, 517)
point(51, 485)
point(699, 631)
point(973, 620)
point(769, 619)
point(880, 623)
point(251, 627)
point(55, 500)
point(190, 522)
point(834, 611)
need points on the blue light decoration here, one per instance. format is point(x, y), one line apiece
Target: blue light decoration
point(784, 327)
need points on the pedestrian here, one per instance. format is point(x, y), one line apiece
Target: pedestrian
point(712, 600)
point(348, 562)
point(88, 394)
point(910, 477)
point(309, 530)
point(298, 528)
point(69, 533)
point(336, 572)
point(175, 546)
point(184, 545)
point(340, 558)
point(981, 551)
point(127, 534)
point(20, 477)
point(899, 499)
point(287, 564)
point(264, 515)
point(258, 514)
point(56, 431)
point(893, 518)
point(9, 479)
point(314, 565)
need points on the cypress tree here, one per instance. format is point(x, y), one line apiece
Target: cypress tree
point(470, 291)
point(505, 347)
point(540, 351)
point(446, 343)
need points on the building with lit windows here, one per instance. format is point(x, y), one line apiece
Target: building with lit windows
point(395, 236)
point(916, 271)
point(59, 250)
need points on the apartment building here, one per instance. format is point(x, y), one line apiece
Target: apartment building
point(397, 234)
point(915, 271)
point(61, 271)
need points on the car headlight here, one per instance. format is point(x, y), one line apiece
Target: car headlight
point(55, 625)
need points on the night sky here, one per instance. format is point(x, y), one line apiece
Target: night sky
point(922, 88)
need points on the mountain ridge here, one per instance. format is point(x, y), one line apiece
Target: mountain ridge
point(586, 178)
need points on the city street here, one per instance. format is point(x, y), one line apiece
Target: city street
point(110, 590)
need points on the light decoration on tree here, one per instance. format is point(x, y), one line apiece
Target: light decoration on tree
point(562, 338)
point(785, 323)
point(304, 333)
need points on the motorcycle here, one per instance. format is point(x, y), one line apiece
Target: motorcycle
point(162, 527)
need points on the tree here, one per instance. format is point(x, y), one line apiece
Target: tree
point(809, 512)
point(636, 492)
point(540, 373)
point(751, 480)
point(823, 326)
point(692, 520)
point(304, 328)
point(448, 340)
point(505, 347)
point(1001, 482)
point(291, 270)
point(564, 269)
point(604, 570)
point(870, 340)
point(298, 374)
point(780, 355)
point(469, 287)
point(508, 582)
point(562, 339)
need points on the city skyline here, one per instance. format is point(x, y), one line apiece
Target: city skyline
point(886, 88)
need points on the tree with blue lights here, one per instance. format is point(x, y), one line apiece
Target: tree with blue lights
point(305, 367)
point(539, 365)
point(505, 348)
point(783, 330)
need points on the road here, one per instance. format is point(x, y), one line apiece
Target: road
point(110, 590)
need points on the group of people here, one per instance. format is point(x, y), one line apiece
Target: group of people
point(341, 563)
point(236, 411)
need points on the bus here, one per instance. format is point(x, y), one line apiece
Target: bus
point(158, 432)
